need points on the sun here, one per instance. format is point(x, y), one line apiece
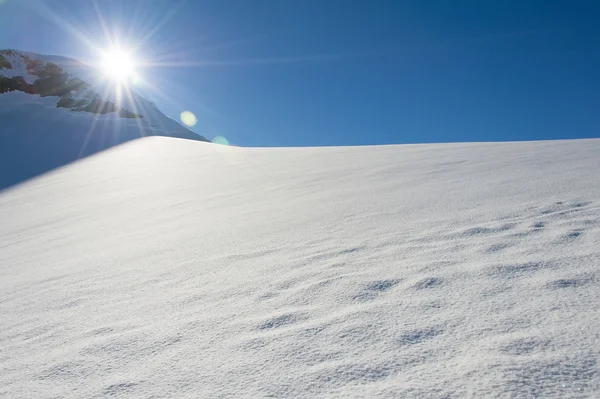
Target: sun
point(118, 65)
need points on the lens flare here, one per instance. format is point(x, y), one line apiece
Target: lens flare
point(220, 140)
point(188, 118)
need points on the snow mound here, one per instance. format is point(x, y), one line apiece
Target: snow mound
point(55, 110)
point(170, 268)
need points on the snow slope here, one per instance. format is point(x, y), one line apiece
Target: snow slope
point(172, 268)
point(62, 110)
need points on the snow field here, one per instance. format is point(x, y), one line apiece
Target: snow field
point(171, 268)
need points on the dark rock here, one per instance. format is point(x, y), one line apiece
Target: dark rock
point(32, 65)
point(65, 102)
point(123, 113)
point(52, 86)
point(98, 106)
point(4, 63)
point(51, 70)
point(15, 84)
point(76, 84)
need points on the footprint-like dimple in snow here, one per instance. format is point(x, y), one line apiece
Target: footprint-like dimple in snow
point(474, 231)
point(498, 247)
point(571, 236)
point(564, 283)
point(570, 282)
point(429, 282)
point(433, 305)
point(418, 336)
point(561, 208)
point(382, 285)
point(375, 288)
point(279, 321)
point(267, 296)
point(518, 269)
point(524, 346)
point(580, 204)
point(101, 331)
point(119, 389)
point(349, 250)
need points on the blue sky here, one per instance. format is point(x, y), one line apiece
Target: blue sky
point(337, 72)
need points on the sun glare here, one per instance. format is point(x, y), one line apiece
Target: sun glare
point(118, 65)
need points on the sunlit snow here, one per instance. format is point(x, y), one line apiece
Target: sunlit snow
point(173, 268)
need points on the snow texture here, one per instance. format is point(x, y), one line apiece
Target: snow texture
point(174, 268)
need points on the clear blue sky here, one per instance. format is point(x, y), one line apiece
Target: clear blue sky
point(338, 72)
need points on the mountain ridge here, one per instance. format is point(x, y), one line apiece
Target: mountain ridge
point(55, 110)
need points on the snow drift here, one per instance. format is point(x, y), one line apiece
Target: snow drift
point(173, 268)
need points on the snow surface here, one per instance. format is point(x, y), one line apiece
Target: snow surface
point(174, 268)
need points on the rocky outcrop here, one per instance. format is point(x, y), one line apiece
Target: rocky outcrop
point(15, 84)
point(75, 94)
point(4, 63)
point(67, 101)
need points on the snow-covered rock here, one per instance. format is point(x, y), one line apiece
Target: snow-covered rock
point(54, 110)
point(32, 74)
